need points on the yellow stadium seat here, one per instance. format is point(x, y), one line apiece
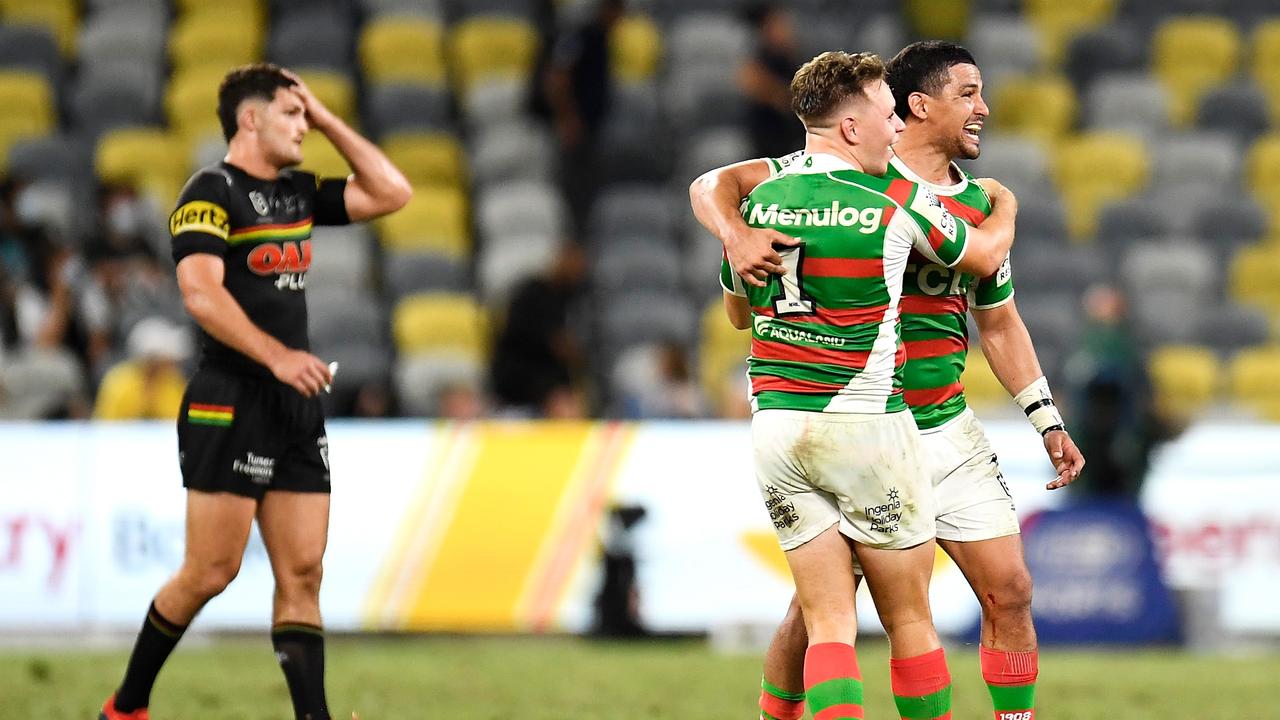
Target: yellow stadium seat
point(1253, 277)
point(1058, 22)
point(222, 8)
point(492, 48)
point(723, 352)
point(1190, 55)
point(396, 49)
point(440, 323)
point(1255, 383)
point(1042, 107)
point(27, 101)
point(427, 158)
point(1095, 169)
point(319, 156)
point(59, 16)
point(1184, 379)
point(435, 220)
point(191, 102)
point(199, 42)
point(1266, 63)
point(938, 18)
point(635, 47)
point(149, 158)
point(334, 90)
point(981, 388)
point(1262, 166)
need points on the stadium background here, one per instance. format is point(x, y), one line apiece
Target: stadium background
point(1138, 135)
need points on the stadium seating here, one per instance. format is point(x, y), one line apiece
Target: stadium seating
point(636, 49)
point(1093, 169)
point(427, 158)
point(435, 221)
point(403, 49)
point(482, 48)
point(440, 323)
point(150, 158)
point(1041, 107)
point(1184, 379)
point(1190, 55)
point(1253, 381)
point(59, 17)
point(981, 388)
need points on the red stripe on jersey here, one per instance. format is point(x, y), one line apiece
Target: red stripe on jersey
point(888, 215)
point(936, 238)
point(934, 304)
point(932, 396)
point(971, 215)
point(272, 226)
point(763, 383)
point(844, 267)
point(769, 350)
point(900, 191)
point(848, 317)
point(937, 347)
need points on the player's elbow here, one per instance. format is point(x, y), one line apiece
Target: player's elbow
point(981, 261)
point(198, 303)
point(397, 194)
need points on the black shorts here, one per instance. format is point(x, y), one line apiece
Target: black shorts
point(246, 435)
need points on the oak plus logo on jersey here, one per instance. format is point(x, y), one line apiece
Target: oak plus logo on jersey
point(289, 260)
point(867, 220)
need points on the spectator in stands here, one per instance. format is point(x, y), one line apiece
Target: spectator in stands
point(15, 237)
point(1118, 423)
point(658, 384)
point(149, 385)
point(39, 379)
point(766, 81)
point(461, 401)
point(576, 86)
point(537, 360)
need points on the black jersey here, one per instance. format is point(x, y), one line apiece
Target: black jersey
point(262, 231)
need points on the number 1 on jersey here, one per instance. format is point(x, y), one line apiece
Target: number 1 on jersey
point(792, 300)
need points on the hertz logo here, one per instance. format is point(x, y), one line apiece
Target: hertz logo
point(200, 216)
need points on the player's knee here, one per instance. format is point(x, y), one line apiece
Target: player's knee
point(208, 580)
point(301, 579)
point(1012, 595)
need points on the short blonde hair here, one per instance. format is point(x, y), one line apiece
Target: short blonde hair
point(825, 82)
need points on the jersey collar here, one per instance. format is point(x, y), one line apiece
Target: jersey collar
point(816, 163)
point(947, 190)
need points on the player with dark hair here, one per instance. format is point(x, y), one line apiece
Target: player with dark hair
point(937, 92)
point(837, 456)
point(251, 437)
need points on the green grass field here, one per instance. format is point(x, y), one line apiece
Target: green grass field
point(565, 678)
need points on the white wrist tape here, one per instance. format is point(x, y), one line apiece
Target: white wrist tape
point(1037, 402)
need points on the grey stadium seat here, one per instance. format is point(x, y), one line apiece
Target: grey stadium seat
point(494, 101)
point(405, 273)
point(1058, 267)
point(1116, 47)
point(341, 257)
point(632, 211)
point(58, 157)
point(1229, 224)
point(1004, 45)
point(1229, 327)
point(521, 208)
point(127, 32)
point(1128, 101)
point(98, 108)
point(1041, 220)
point(1016, 161)
point(654, 266)
point(338, 316)
point(312, 40)
point(708, 39)
point(420, 378)
point(27, 46)
point(513, 151)
point(1130, 221)
point(632, 318)
point(635, 143)
point(1199, 158)
point(392, 108)
point(711, 149)
point(501, 266)
point(1239, 109)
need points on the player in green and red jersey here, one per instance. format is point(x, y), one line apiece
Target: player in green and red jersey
point(836, 456)
point(937, 89)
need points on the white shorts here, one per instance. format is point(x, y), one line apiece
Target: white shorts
point(862, 471)
point(973, 500)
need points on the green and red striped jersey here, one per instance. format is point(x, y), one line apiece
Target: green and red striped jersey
point(825, 336)
point(935, 307)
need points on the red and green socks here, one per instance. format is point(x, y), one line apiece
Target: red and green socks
point(921, 686)
point(779, 704)
point(832, 682)
point(1011, 680)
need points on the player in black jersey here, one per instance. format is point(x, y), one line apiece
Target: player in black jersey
point(251, 435)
